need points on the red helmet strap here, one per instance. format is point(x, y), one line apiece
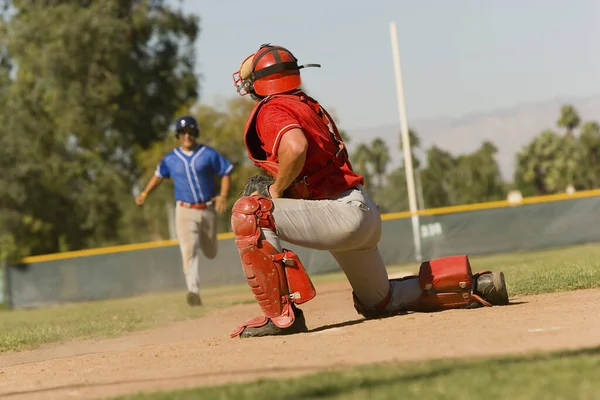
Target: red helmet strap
point(275, 68)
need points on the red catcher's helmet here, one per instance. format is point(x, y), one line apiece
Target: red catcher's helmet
point(271, 70)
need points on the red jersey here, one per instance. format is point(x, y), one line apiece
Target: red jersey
point(327, 171)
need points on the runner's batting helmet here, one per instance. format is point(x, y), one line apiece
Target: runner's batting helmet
point(187, 124)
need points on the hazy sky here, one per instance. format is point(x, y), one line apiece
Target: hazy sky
point(458, 56)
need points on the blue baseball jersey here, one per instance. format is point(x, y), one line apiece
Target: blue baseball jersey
point(193, 175)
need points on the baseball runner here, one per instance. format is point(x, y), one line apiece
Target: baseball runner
point(311, 197)
point(193, 166)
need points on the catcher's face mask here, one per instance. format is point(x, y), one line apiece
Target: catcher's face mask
point(241, 77)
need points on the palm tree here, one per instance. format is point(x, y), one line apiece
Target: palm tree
point(569, 119)
point(439, 178)
point(380, 158)
point(362, 156)
point(548, 164)
point(415, 140)
point(590, 145)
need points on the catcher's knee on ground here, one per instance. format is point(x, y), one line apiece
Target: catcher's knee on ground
point(278, 279)
point(443, 283)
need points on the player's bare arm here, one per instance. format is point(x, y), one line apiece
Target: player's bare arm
point(154, 182)
point(221, 199)
point(225, 184)
point(292, 155)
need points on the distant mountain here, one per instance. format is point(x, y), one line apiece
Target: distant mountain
point(509, 129)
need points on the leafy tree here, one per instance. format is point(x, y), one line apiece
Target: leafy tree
point(548, 164)
point(477, 176)
point(380, 158)
point(438, 179)
point(569, 119)
point(362, 158)
point(13, 178)
point(101, 80)
point(393, 197)
point(590, 165)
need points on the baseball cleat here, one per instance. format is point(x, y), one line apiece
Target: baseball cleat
point(492, 287)
point(270, 329)
point(193, 299)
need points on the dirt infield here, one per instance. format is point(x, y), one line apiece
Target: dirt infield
point(200, 352)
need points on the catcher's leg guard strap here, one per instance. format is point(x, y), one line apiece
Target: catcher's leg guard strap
point(276, 278)
point(300, 286)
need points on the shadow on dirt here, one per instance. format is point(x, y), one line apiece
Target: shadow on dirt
point(361, 320)
point(337, 325)
point(515, 303)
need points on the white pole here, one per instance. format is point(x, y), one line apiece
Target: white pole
point(408, 165)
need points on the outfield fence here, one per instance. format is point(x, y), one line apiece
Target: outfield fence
point(485, 228)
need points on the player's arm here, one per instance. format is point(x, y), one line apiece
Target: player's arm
point(161, 173)
point(154, 182)
point(223, 167)
point(221, 199)
point(291, 155)
point(225, 184)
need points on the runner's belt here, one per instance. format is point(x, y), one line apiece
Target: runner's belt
point(196, 206)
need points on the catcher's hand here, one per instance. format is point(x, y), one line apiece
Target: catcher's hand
point(258, 184)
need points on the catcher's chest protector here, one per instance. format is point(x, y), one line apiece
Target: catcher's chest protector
point(329, 159)
point(448, 282)
point(276, 278)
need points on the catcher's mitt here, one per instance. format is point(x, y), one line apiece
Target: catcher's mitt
point(258, 184)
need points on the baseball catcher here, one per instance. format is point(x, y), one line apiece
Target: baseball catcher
point(310, 196)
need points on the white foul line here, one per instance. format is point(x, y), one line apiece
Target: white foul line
point(553, 328)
